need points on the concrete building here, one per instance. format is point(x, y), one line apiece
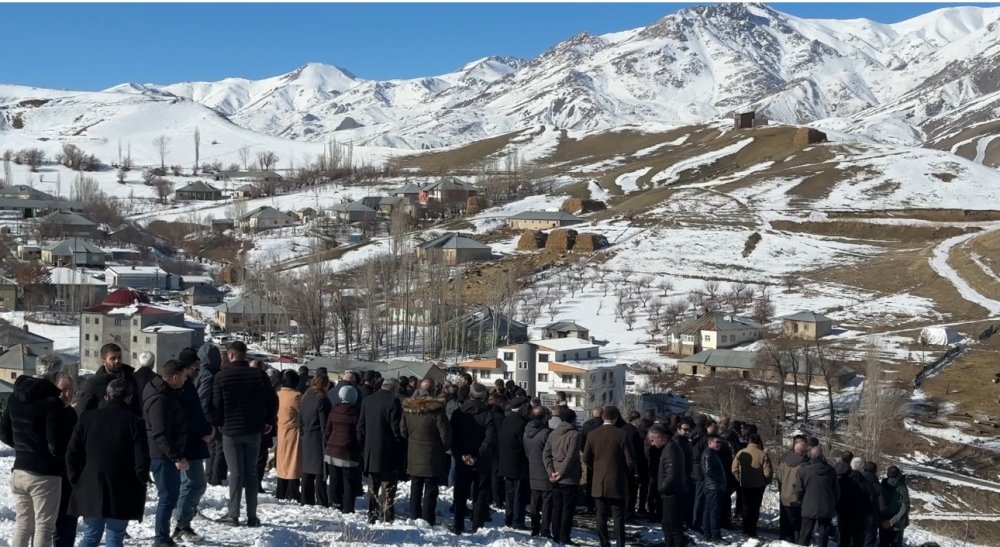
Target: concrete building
point(806, 325)
point(20, 360)
point(9, 292)
point(453, 248)
point(198, 191)
point(711, 331)
point(141, 277)
point(65, 223)
point(248, 313)
point(353, 212)
point(72, 253)
point(565, 329)
point(11, 336)
point(201, 295)
point(265, 217)
point(542, 220)
point(164, 341)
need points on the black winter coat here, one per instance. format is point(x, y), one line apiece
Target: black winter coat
point(35, 425)
point(474, 433)
point(638, 445)
point(198, 425)
point(587, 427)
point(107, 463)
point(510, 444)
point(211, 364)
point(712, 471)
point(872, 491)
point(670, 471)
point(854, 502)
point(97, 387)
point(314, 409)
point(143, 375)
point(535, 435)
point(243, 400)
point(378, 432)
point(689, 462)
point(817, 489)
point(428, 437)
point(166, 424)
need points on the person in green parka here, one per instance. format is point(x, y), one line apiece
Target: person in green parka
point(894, 507)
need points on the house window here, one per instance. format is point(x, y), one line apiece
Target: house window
point(588, 354)
point(543, 357)
point(524, 385)
point(118, 338)
point(97, 320)
point(118, 323)
point(543, 377)
point(566, 378)
point(576, 355)
point(135, 321)
point(508, 356)
point(86, 337)
point(86, 320)
point(86, 353)
point(147, 339)
point(13, 375)
point(706, 337)
point(508, 375)
point(135, 356)
point(136, 339)
point(522, 365)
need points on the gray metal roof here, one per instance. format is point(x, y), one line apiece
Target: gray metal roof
point(352, 206)
point(250, 304)
point(408, 188)
point(198, 186)
point(564, 326)
point(20, 358)
point(16, 203)
point(31, 193)
point(560, 216)
point(265, 211)
point(11, 335)
point(68, 218)
point(68, 247)
point(249, 174)
point(448, 183)
point(453, 240)
point(810, 317)
point(722, 358)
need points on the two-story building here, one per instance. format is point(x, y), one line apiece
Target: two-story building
point(141, 277)
point(712, 330)
point(72, 253)
point(543, 367)
point(250, 313)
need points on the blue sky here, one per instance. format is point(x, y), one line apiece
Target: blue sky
point(94, 46)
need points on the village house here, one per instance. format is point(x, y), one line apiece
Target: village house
point(306, 214)
point(202, 295)
point(542, 220)
point(64, 223)
point(20, 360)
point(8, 293)
point(447, 191)
point(253, 176)
point(565, 329)
point(251, 314)
point(410, 191)
point(543, 367)
point(29, 252)
point(11, 336)
point(806, 325)
point(748, 120)
point(247, 191)
point(122, 318)
point(72, 253)
point(397, 368)
point(198, 191)
point(165, 341)
point(391, 204)
point(712, 330)
point(141, 277)
point(220, 225)
point(741, 364)
point(474, 330)
point(353, 212)
point(32, 202)
point(453, 248)
point(69, 290)
point(265, 217)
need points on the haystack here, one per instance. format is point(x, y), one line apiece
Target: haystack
point(532, 240)
point(804, 136)
point(475, 204)
point(229, 274)
point(560, 240)
point(579, 206)
point(590, 242)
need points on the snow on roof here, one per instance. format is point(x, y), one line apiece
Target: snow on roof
point(811, 317)
point(70, 246)
point(164, 329)
point(565, 344)
point(137, 270)
point(198, 186)
point(453, 241)
point(69, 276)
point(565, 326)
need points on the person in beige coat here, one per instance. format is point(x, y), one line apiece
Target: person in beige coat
point(753, 472)
point(288, 457)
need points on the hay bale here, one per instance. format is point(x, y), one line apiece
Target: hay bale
point(531, 240)
point(804, 136)
point(587, 242)
point(579, 206)
point(475, 204)
point(560, 240)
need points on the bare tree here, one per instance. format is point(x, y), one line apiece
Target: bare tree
point(244, 153)
point(266, 159)
point(32, 157)
point(880, 407)
point(197, 150)
point(162, 144)
point(665, 285)
point(763, 309)
point(712, 288)
point(163, 188)
point(121, 176)
point(306, 298)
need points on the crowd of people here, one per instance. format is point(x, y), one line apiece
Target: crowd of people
point(214, 418)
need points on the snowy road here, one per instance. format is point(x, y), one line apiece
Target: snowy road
point(939, 262)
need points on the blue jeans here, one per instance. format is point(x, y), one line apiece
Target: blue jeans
point(168, 485)
point(193, 486)
point(710, 518)
point(94, 528)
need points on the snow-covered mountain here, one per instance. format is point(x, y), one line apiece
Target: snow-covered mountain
point(920, 81)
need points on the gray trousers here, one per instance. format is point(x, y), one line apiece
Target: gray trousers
point(241, 458)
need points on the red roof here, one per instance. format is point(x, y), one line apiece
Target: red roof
point(125, 297)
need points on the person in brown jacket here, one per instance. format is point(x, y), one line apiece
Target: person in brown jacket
point(288, 458)
point(428, 434)
point(790, 518)
point(753, 472)
point(608, 457)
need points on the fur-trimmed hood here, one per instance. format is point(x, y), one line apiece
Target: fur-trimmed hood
point(422, 405)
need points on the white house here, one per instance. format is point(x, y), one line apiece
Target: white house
point(141, 277)
point(543, 367)
point(713, 330)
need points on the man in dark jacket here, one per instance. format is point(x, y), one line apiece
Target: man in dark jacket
point(428, 438)
point(873, 493)
point(536, 433)
point(593, 423)
point(382, 461)
point(894, 508)
point(682, 438)
point(714, 486)
point(108, 465)
point(790, 517)
point(817, 490)
point(245, 406)
point(609, 457)
point(304, 379)
point(196, 450)
point(514, 464)
point(111, 368)
point(854, 504)
point(211, 363)
point(496, 403)
point(146, 360)
point(637, 443)
point(669, 483)
point(561, 456)
point(166, 430)
point(473, 447)
point(66, 523)
point(36, 426)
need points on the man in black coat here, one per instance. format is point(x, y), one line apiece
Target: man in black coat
point(536, 433)
point(193, 480)
point(211, 363)
point(873, 493)
point(681, 436)
point(166, 429)
point(112, 368)
point(593, 423)
point(670, 483)
point(473, 446)
point(714, 486)
point(638, 445)
point(245, 406)
point(817, 490)
point(107, 462)
point(382, 461)
point(854, 504)
point(36, 426)
point(498, 489)
point(514, 464)
point(146, 360)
